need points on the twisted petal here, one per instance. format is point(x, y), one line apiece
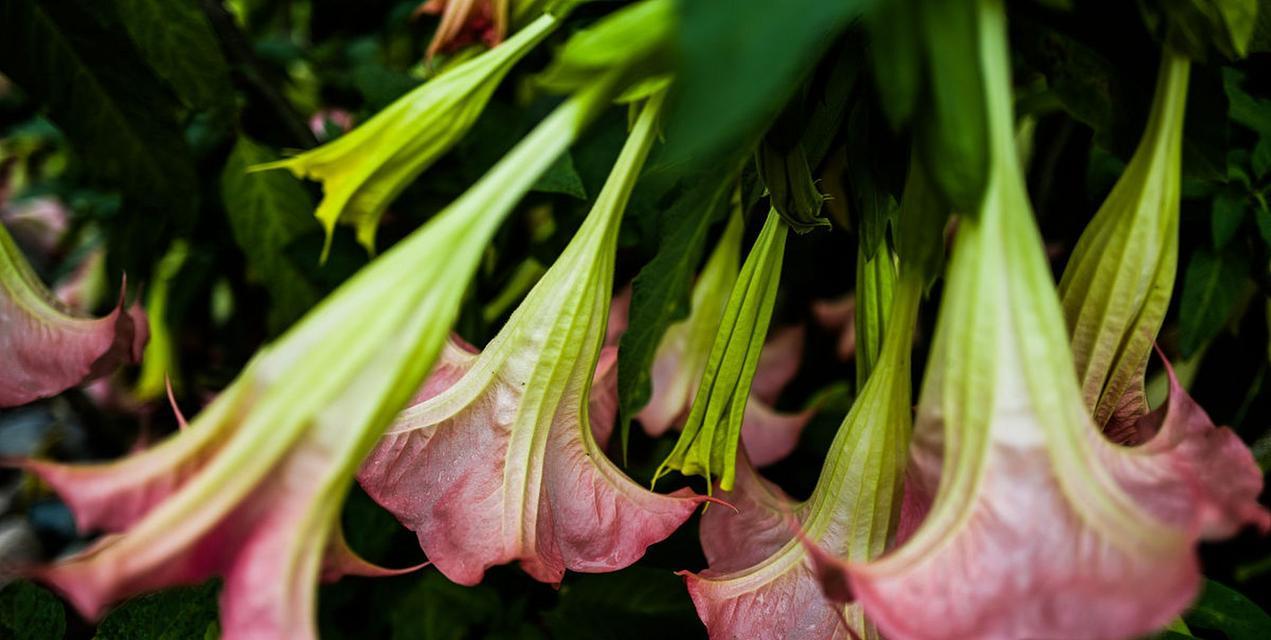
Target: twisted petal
point(1216, 479)
point(46, 349)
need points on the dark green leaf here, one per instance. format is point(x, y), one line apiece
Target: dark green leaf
point(635, 603)
point(1089, 86)
point(1210, 288)
point(84, 73)
point(562, 177)
point(1254, 113)
point(437, 609)
point(176, 39)
point(29, 612)
point(739, 62)
point(1260, 161)
point(1195, 26)
point(171, 614)
point(1226, 215)
point(1262, 213)
point(1223, 609)
point(268, 210)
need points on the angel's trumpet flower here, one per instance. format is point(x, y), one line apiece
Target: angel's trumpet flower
point(47, 349)
point(761, 582)
point(252, 489)
point(498, 463)
point(1040, 527)
point(1115, 292)
point(363, 170)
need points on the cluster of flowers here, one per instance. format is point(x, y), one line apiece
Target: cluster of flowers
point(1034, 494)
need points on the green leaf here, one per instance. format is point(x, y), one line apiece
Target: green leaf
point(1260, 161)
point(79, 66)
point(1194, 26)
point(739, 62)
point(438, 609)
point(268, 211)
point(1210, 289)
point(634, 603)
point(1254, 113)
point(171, 614)
point(660, 291)
point(1223, 609)
point(29, 612)
point(1263, 216)
point(562, 178)
point(175, 38)
point(1227, 213)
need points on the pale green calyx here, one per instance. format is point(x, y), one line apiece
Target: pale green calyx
point(1116, 287)
point(875, 288)
point(708, 444)
point(364, 170)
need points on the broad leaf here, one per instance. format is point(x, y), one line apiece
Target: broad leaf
point(268, 211)
point(85, 74)
point(172, 614)
point(175, 38)
point(634, 603)
point(1223, 609)
point(1210, 289)
point(740, 60)
point(29, 612)
point(438, 609)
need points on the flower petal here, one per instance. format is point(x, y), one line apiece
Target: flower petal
point(770, 436)
point(778, 363)
point(47, 350)
point(1222, 480)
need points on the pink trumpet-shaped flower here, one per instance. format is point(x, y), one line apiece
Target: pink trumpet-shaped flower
point(252, 489)
point(47, 349)
point(498, 463)
point(1040, 527)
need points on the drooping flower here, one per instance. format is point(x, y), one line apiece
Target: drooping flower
point(1116, 287)
point(498, 463)
point(46, 348)
point(761, 582)
point(769, 435)
point(708, 444)
point(252, 489)
point(1115, 292)
point(364, 170)
point(1040, 527)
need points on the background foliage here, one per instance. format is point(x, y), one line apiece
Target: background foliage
point(140, 117)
